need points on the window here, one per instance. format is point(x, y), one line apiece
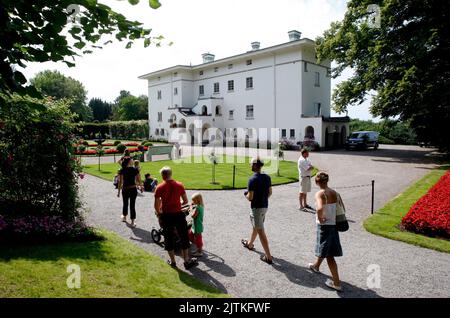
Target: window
point(159, 116)
point(292, 133)
point(175, 91)
point(216, 87)
point(218, 111)
point(249, 82)
point(230, 66)
point(318, 109)
point(249, 112)
point(231, 85)
point(249, 62)
point(201, 90)
point(159, 95)
point(157, 132)
point(328, 72)
point(283, 133)
point(317, 79)
point(162, 131)
point(200, 73)
point(305, 66)
point(230, 114)
point(216, 69)
point(250, 132)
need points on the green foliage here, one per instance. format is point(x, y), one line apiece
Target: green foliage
point(391, 131)
point(405, 61)
point(38, 174)
point(116, 142)
point(121, 148)
point(59, 86)
point(129, 107)
point(42, 31)
point(133, 130)
point(101, 110)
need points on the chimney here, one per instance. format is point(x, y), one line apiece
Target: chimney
point(208, 57)
point(294, 35)
point(255, 46)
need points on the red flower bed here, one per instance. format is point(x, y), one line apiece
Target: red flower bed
point(112, 150)
point(86, 152)
point(132, 144)
point(430, 215)
point(135, 149)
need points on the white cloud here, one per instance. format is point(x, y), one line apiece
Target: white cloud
point(221, 27)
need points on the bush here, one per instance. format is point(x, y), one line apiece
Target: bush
point(384, 140)
point(121, 148)
point(148, 144)
point(38, 170)
point(117, 142)
point(286, 144)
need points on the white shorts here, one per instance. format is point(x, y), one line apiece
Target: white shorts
point(305, 185)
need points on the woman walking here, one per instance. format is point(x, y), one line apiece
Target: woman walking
point(129, 180)
point(328, 245)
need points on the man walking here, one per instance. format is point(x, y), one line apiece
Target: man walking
point(304, 169)
point(168, 208)
point(258, 193)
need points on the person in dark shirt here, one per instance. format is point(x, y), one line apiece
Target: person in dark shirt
point(129, 180)
point(149, 183)
point(258, 192)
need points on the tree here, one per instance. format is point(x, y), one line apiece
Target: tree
point(101, 110)
point(129, 107)
point(404, 60)
point(41, 31)
point(59, 86)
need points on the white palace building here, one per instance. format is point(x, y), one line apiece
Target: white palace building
point(281, 86)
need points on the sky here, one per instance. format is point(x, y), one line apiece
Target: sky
point(221, 27)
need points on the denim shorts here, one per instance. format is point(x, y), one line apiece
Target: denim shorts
point(257, 217)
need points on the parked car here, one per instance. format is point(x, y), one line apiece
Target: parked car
point(362, 140)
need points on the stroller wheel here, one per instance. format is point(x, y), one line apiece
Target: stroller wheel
point(156, 235)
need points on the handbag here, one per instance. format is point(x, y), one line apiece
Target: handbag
point(341, 219)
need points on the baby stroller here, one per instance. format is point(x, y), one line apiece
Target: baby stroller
point(157, 234)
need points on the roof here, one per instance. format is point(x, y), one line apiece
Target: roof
point(301, 42)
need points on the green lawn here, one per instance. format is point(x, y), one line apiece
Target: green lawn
point(109, 268)
point(199, 175)
point(385, 222)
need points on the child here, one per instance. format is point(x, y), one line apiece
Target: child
point(116, 179)
point(149, 183)
point(195, 233)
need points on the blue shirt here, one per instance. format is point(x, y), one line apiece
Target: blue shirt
point(260, 184)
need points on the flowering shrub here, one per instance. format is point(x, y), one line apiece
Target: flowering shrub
point(132, 144)
point(44, 228)
point(430, 215)
point(135, 149)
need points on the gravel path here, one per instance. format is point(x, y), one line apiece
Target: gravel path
point(406, 270)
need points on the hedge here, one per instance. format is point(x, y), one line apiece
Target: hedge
point(135, 129)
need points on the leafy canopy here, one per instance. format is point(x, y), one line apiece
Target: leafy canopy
point(403, 60)
point(41, 31)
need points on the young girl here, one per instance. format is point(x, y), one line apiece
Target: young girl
point(195, 233)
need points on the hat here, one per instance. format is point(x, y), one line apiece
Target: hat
point(257, 161)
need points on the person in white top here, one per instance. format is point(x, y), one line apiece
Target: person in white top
point(328, 245)
point(304, 170)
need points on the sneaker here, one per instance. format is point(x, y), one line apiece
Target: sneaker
point(191, 263)
point(124, 218)
point(313, 268)
point(331, 284)
point(133, 223)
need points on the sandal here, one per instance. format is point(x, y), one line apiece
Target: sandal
point(331, 284)
point(172, 264)
point(313, 268)
point(265, 259)
point(191, 263)
point(247, 246)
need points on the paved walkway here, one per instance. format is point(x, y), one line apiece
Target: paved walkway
point(406, 270)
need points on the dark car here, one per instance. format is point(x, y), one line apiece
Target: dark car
point(362, 140)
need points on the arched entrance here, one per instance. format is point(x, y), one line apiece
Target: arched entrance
point(182, 123)
point(204, 110)
point(336, 137)
point(218, 111)
point(205, 133)
point(327, 138)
